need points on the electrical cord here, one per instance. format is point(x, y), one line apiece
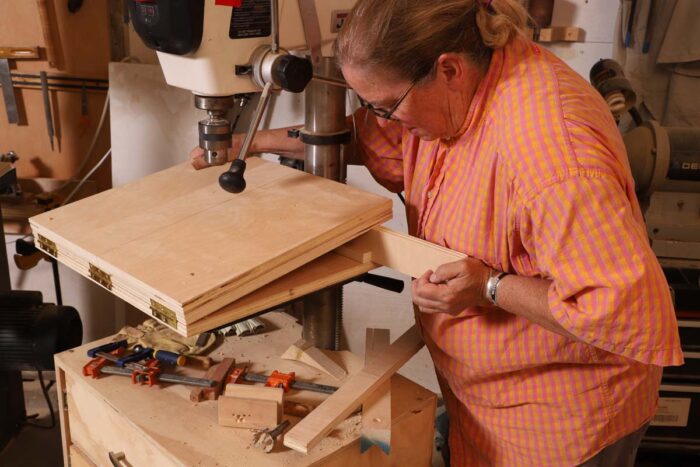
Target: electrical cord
point(98, 130)
point(84, 179)
point(45, 390)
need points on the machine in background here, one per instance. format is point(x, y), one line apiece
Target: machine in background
point(665, 163)
point(31, 332)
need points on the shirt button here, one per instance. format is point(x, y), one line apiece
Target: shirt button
point(430, 194)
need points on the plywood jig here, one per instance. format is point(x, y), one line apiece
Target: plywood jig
point(178, 247)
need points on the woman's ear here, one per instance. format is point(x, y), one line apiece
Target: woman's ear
point(451, 69)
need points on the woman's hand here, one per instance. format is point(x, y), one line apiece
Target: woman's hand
point(453, 287)
point(273, 141)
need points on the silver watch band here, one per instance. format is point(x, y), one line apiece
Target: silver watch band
point(492, 286)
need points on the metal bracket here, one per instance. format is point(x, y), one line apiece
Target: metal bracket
point(101, 277)
point(164, 314)
point(47, 245)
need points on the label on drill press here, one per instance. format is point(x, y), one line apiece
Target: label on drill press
point(252, 19)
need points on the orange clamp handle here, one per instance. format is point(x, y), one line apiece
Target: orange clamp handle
point(280, 380)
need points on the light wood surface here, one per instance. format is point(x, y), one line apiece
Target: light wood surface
point(376, 409)
point(177, 238)
point(305, 352)
point(403, 253)
point(250, 406)
point(243, 412)
point(558, 34)
point(312, 429)
point(159, 426)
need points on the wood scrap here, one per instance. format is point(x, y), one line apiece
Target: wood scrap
point(217, 373)
point(376, 409)
point(558, 34)
point(241, 412)
point(245, 406)
point(305, 352)
point(310, 430)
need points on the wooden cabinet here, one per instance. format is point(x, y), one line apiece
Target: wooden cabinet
point(159, 426)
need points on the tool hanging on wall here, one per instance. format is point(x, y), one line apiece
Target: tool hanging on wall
point(84, 122)
point(52, 52)
point(8, 92)
point(47, 106)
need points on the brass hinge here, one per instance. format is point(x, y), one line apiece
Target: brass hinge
point(47, 245)
point(64, 393)
point(101, 277)
point(164, 314)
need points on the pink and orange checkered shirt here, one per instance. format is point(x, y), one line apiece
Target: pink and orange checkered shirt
point(537, 184)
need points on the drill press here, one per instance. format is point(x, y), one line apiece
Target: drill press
point(222, 48)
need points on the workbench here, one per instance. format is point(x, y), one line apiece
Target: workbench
point(159, 426)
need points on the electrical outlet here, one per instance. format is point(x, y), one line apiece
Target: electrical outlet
point(338, 18)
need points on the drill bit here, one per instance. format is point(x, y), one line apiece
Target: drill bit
point(265, 440)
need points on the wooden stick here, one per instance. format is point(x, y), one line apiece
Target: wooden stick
point(309, 431)
point(404, 253)
point(376, 410)
point(302, 351)
point(47, 30)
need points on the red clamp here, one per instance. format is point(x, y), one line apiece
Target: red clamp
point(280, 380)
point(236, 374)
point(148, 375)
point(93, 368)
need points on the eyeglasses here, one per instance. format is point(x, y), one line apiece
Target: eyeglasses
point(386, 113)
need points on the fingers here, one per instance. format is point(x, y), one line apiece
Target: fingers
point(197, 158)
point(425, 294)
point(447, 272)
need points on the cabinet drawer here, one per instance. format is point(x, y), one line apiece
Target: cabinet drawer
point(97, 429)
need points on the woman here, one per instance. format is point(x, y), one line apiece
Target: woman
point(549, 341)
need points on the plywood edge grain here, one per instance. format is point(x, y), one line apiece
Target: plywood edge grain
point(323, 272)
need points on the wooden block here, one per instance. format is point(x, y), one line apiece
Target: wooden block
point(241, 412)
point(309, 431)
point(304, 352)
point(217, 373)
point(558, 34)
point(255, 392)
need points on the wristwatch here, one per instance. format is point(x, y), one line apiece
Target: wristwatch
point(492, 286)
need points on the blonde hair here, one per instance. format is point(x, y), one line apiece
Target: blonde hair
point(407, 36)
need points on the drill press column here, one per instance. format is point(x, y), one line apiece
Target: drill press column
point(324, 134)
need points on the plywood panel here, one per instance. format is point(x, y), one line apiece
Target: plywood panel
point(176, 237)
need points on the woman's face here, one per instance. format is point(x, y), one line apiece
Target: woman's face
point(422, 110)
point(433, 108)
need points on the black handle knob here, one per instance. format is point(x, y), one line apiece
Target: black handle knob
point(292, 73)
point(383, 282)
point(232, 180)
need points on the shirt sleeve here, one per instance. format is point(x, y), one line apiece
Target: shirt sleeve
point(380, 149)
point(608, 288)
